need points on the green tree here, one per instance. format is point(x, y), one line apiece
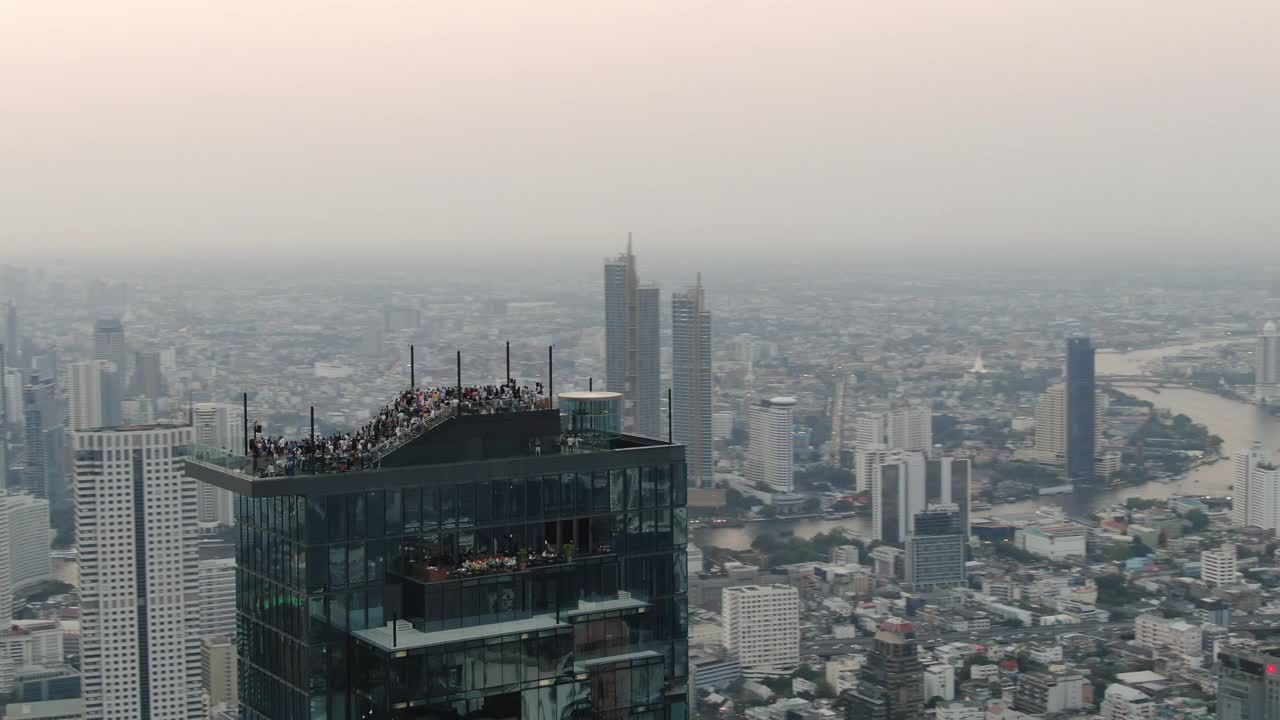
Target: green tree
point(1199, 520)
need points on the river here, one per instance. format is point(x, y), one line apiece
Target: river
point(1239, 424)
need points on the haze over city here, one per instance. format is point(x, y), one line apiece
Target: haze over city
point(255, 129)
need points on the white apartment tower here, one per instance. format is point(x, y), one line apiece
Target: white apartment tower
point(217, 425)
point(1267, 367)
point(762, 625)
point(27, 537)
point(1255, 498)
point(1218, 567)
point(217, 597)
point(771, 449)
point(908, 429)
point(136, 525)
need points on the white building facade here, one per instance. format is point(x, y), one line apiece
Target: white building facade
point(28, 540)
point(1267, 366)
point(1256, 489)
point(217, 425)
point(771, 450)
point(1218, 567)
point(762, 625)
point(136, 524)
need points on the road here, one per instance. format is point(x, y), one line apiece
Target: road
point(827, 648)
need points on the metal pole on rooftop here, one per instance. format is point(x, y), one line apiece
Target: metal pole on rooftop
point(551, 376)
point(313, 424)
point(459, 374)
point(669, 434)
point(412, 384)
point(590, 384)
point(246, 424)
point(508, 378)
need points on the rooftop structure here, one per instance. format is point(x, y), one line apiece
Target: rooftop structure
point(480, 566)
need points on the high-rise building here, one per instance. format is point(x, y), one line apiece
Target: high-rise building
point(12, 340)
point(762, 625)
point(691, 381)
point(1248, 683)
point(1218, 567)
point(93, 399)
point(148, 379)
point(935, 550)
point(465, 576)
point(1051, 424)
point(108, 344)
point(221, 426)
point(217, 588)
point(771, 451)
point(1167, 635)
point(136, 529)
point(218, 672)
point(909, 428)
point(891, 682)
point(28, 540)
point(1082, 423)
point(906, 483)
point(4, 420)
point(632, 343)
point(45, 473)
point(1267, 366)
point(867, 463)
point(1255, 498)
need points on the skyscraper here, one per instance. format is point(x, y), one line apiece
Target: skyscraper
point(27, 519)
point(909, 428)
point(907, 483)
point(45, 473)
point(147, 379)
point(1081, 425)
point(1267, 366)
point(771, 450)
point(92, 401)
point(691, 381)
point(1051, 424)
point(466, 577)
point(12, 340)
point(1255, 498)
point(935, 550)
point(108, 343)
point(136, 526)
point(631, 315)
point(891, 682)
point(4, 420)
point(1248, 683)
point(217, 425)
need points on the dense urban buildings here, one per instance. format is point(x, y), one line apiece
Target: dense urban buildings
point(891, 683)
point(480, 571)
point(691, 381)
point(762, 626)
point(771, 452)
point(1267, 369)
point(632, 348)
point(136, 527)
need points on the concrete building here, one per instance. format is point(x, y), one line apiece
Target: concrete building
point(935, 550)
point(1121, 702)
point(1248, 683)
point(218, 672)
point(891, 682)
point(1055, 542)
point(1051, 424)
point(1218, 567)
point(1267, 365)
point(939, 681)
point(762, 625)
point(1255, 497)
point(1167, 635)
point(691, 382)
point(771, 451)
point(867, 463)
point(221, 426)
point(28, 540)
point(845, 555)
point(632, 343)
point(909, 429)
point(136, 526)
point(93, 397)
point(217, 585)
point(721, 425)
point(1040, 693)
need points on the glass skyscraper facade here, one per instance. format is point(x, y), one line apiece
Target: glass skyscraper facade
point(466, 576)
point(1081, 404)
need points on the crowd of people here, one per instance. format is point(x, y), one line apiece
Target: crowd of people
point(406, 417)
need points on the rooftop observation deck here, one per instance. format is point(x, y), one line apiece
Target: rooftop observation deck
point(458, 441)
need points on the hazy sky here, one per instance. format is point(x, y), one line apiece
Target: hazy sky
point(261, 127)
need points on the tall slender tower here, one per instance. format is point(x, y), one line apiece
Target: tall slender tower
point(691, 380)
point(136, 528)
point(631, 330)
point(1081, 425)
point(1267, 369)
point(44, 475)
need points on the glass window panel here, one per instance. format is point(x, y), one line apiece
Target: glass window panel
point(484, 502)
point(337, 517)
point(466, 505)
point(680, 483)
point(647, 484)
point(633, 488)
point(412, 511)
point(617, 490)
point(511, 662)
point(517, 499)
point(534, 495)
point(680, 526)
point(600, 491)
point(374, 514)
point(501, 489)
point(584, 491)
point(356, 506)
point(551, 495)
point(662, 487)
point(394, 512)
point(568, 484)
point(337, 566)
point(493, 664)
point(449, 506)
